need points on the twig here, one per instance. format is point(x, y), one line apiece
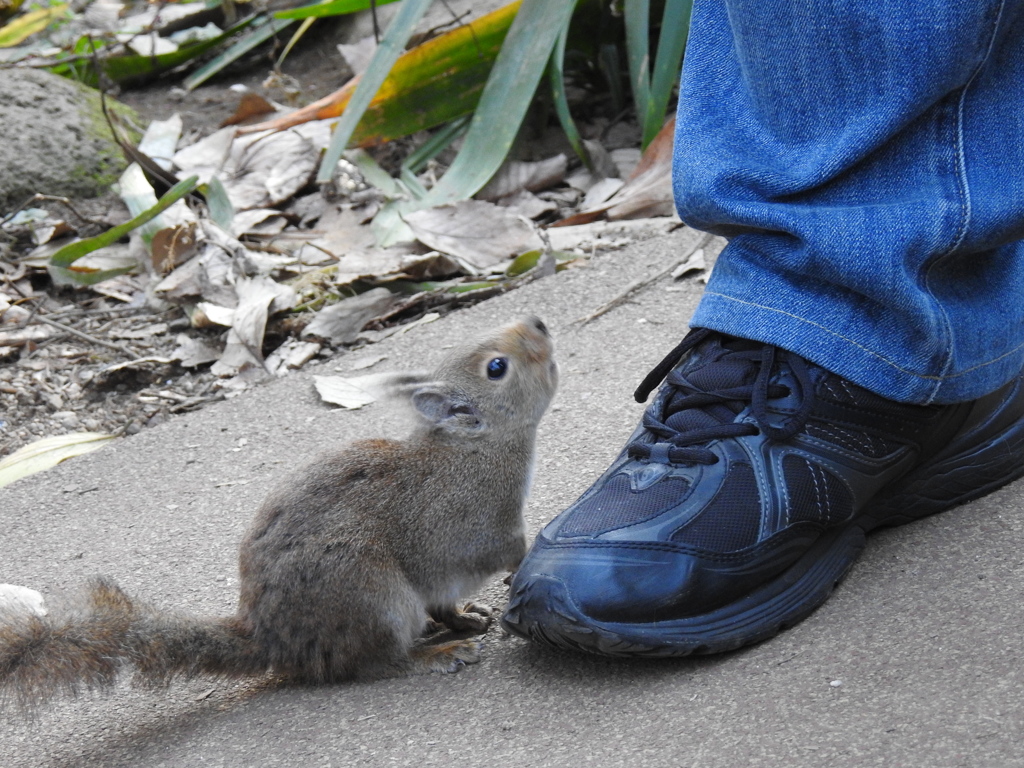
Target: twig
point(64, 314)
point(53, 199)
point(75, 332)
point(639, 285)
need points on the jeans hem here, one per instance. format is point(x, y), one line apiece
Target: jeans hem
point(848, 358)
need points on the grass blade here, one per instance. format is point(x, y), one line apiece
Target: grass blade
point(384, 59)
point(637, 16)
point(266, 29)
point(303, 29)
point(556, 76)
point(428, 150)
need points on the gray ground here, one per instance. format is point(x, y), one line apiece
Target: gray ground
point(915, 661)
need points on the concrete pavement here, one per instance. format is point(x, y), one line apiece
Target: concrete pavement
point(915, 661)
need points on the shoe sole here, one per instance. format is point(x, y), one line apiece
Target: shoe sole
point(544, 611)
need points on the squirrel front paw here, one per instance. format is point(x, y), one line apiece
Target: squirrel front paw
point(472, 617)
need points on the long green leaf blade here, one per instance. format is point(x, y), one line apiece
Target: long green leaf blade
point(70, 253)
point(505, 99)
point(384, 58)
point(333, 8)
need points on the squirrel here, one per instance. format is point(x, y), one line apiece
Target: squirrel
point(350, 560)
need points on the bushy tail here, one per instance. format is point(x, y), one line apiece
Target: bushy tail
point(42, 656)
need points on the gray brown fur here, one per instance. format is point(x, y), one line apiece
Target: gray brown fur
point(347, 559)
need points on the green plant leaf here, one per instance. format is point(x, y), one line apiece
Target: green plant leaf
point(330, 8)
point(62, 260)
point(218, 203)
point(637, 16)
point(28, 24)
point(48, 452)
point(130, 68)
point(675, 26)
point(265, 28)
point(505, 99)
point(524, 262)
point(373, 173)
point(383, 60)
point(436, 82)
point(556, 76)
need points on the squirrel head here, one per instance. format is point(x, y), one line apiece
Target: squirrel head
point(502, 382)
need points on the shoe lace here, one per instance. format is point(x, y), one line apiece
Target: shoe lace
point(695, 413)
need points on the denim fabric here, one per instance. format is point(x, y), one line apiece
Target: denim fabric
point(867, 161)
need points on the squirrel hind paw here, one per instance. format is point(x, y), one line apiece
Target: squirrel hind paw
point(447, 657)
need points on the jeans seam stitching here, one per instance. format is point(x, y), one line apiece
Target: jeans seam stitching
point(964, 193)
point(871, 352)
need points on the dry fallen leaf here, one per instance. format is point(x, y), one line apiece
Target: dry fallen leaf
point(646, 194)
point(258, 297)
point(173, 246)
point(357, 391)
point(291, 355)
point(515, 176)
point(261, 170)
point(250, 106)
point(48, 452)
point(344, 392)
point(368, 362)
point(695, 263)
point(527, 204)
point(194, 352)
point(340, 323)
point(480, 234)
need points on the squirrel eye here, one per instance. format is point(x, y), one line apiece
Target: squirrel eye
point(497, 368)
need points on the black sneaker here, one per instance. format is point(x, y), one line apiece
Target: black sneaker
point(743, 498)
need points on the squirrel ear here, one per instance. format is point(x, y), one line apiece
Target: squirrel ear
point(447, 409)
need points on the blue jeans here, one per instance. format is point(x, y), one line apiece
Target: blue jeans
point(867, 161)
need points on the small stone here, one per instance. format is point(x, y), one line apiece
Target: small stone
point(836, 683)
point(68, 419)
